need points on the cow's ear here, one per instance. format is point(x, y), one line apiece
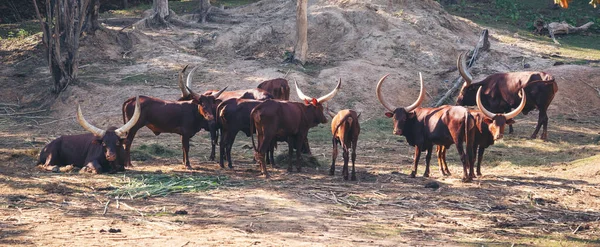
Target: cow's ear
point(97, 141)
point(314, 102)
point(488, 120)
point(510, 121)
point(389, 114)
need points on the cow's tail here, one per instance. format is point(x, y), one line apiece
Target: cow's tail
point(252, 132)
point(347, 118)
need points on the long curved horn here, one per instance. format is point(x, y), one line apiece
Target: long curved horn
point(462, 64)
point(481, 107)
point(516, 112)
point(184, 92)
point(421, 96)
point(330, 95)
point(329, 111)
point(301, 95)
point(87, 126)
point(122, 131)
point(188, 82)
point(379, 96)
point(217, 94)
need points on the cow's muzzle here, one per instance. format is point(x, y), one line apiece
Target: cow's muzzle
point(397, 132)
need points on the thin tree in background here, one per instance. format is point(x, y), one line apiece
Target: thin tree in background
point(301, 32)
point(62, 25)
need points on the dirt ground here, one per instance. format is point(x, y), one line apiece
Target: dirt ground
point(533, 193)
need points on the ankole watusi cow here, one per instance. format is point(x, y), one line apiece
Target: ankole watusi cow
point(214, 127)
point(425, 127)
point(490, 128)
point(184, 117)
point(283, 119)
point(279, 88)
point(345, 130)
point(97, 151)
point(501, 93)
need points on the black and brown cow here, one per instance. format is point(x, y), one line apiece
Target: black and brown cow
point(500, 93)
point(283, 119)
point(490, 128)
point(184, 117)
point(279, 88)
point(425, 127)
point(101, 150)
point(345, 130)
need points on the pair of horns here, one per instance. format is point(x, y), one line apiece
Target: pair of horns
point(322, 99)
point(122, 131)
point(509, 115)
point(409, 108)
point(185, 89)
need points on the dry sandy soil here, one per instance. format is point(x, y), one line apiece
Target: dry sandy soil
point(533, 193)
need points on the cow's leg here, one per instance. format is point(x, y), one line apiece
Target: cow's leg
point(416, 161)
point(222, 149)
point(128, 142)
point(92, 167)
point(542, 121)
point(346, 155)
point(446, 170)
point(271, 155)
point(440, 150)
point(427, 161)
point(465, 159)
point(479, 158)
point(334, 154)
point(185, 145)
point(214, 138)
point(353, 177)
point(510, 129)
point(230, 141)
point(299, 143)
point(306, 147)
point(290, 154)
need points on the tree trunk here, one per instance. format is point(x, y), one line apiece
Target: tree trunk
point(62, 26)
point(301, 31)
point(125, 4)
point(161, 10)
point(92, 24)
point(204, 10)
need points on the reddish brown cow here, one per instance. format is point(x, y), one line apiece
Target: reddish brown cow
point(279, 88)
point(185, 118)
point(501, 93)
point(345, 130)
point(98, 151)
point(425, 127)
point(276, 119)
point(490, 127)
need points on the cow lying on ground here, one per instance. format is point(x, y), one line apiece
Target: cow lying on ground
point(425, 127)
point(500, 93)
point(283, 119)
point(490, 128)
point(185, 118)
point(98, 151)
point(345, 130)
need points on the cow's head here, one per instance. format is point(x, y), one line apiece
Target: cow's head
point(206, 102)
point(317, 104)
point(400, 115)
point(497, 121)
point(468, 92)
point(112, 138)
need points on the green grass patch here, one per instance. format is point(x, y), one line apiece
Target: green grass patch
point(519, 16)
point(150, 152)
point(19, 30)
point(155, 185)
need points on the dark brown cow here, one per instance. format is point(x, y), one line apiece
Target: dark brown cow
point(490, 127)
point(501, 93)
point(276, 119)
point(188, 94)
point(425, 127)
point(279, 88)
point(345, 130)
point(185, 118)
point(98, 151)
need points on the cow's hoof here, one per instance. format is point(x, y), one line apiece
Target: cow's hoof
point(188, 167)
point(426, 174)
point(56, 169)
point(331, 173)
point(353, 178)
point(467, 179)
point(413, 174)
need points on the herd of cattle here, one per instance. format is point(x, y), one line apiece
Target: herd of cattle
point(267, 112)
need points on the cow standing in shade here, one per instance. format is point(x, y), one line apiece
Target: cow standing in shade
point(283, 119)
point(500, 93)
point(98, 151)
point(490, 128)
point(345, 130)
point(425, 127)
